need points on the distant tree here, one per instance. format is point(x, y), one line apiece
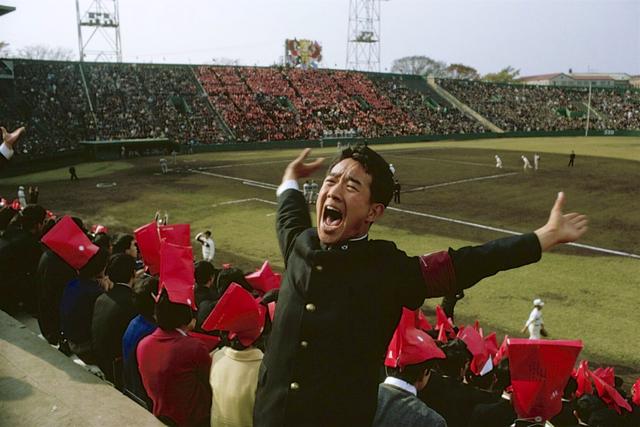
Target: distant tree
point(461, 71)
point(4, 49)
point(420, 65)
point(506, 75)
point(41, 51)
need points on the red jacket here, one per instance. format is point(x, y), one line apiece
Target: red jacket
point(175, 372)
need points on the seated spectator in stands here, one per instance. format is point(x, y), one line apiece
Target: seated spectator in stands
point(584, 407)
point(112, 313)
point(206, 295)
point(76, 306)
point(52, 276)
point(9, 141)
point(20, 252)
point(125, 244)
point(234, 372)
point(104, 241)
point(174, 367)
point(139, 327)
point(410, 357)
point(447, 394)
point(6, 215)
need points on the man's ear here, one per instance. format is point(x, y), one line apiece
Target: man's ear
point(375, 211)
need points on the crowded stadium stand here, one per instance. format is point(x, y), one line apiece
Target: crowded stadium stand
point(65, 103)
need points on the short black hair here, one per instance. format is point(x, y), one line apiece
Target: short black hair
point(6, 215)
point(103, 240)
point(122, 242)
point(31, 216)
point(457, 355)
point(171, 315)
point(204, 271)
point(142, 295)
point(412, 373)
point(121, 268)
point(96, 264)
point(374, 165)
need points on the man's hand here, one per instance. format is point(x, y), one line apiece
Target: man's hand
point(561, 228)
point(12, 138)
point(299, 169)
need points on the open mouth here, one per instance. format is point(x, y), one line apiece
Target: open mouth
point(332, 216)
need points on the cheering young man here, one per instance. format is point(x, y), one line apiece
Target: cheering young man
point(342, 294)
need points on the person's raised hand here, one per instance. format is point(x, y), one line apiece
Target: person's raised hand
point(12, 138)
point(299, 169)
point(561, 228)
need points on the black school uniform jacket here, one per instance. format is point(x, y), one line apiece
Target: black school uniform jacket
point(337, 310)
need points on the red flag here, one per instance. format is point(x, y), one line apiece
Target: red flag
point(99, 228)
point(502, 353)
point(491, 344)
point(606, 374)
point(610, 395)
point(475, 345)
point(422, 322)
point(177, 234)
point(583, 378)
point(442, 321)
point(540, 370)
point(177, 274)
point(264, 279)
point(442, 336)
point(70, 243)
point(148, 241)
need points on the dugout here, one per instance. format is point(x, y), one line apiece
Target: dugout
point(113, 149)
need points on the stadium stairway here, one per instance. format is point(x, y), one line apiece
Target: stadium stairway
point(39, 386)
point(474, 115)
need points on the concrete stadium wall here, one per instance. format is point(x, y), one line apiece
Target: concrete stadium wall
point(39, 386)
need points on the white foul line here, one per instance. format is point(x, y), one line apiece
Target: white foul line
point(422, 214)
point(516, 233)
point(252, 199)
point(444, 184)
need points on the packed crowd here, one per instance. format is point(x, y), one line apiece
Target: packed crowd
point(64, 103)
point(430, 117)
point(526, 108)
point(48, 98)
point(133, 102)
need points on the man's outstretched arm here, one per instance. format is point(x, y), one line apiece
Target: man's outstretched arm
point(293, 215)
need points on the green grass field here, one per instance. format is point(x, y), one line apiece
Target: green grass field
point(590, 295)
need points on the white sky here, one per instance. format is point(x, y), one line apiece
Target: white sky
point(535, 36)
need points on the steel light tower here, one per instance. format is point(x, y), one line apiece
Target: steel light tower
point(100, 17)
point(363, 39)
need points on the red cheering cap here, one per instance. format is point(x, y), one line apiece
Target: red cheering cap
point(99, 228)
point(422, 322)
point(238, 313)
point(148, 241)
point(491, 344)
point(209, 341)
point(177, 273)
point(502, 353)
point(264, 279)
point(410, 345)
point(177, 234)
point(442, 322)
point(70, 243)
point(540, 370)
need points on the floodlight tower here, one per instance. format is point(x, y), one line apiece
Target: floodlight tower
point(363, 39)
point(100, 17)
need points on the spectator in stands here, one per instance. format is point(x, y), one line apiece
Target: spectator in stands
point(411, 356)
point(125, 244)
point(354, 195)
point(112, 313)
point(139, 327)
point(8, 146)
point(20, 251)
point(174, 367)
point(76, 306)
point(234, 371)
